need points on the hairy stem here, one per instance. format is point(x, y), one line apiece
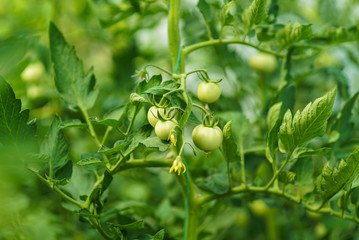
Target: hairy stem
point(212, 42)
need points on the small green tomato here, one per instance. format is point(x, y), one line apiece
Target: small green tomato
point(207, 138)
point(152, 115)
point(33, 72)
point(164, 128)
point(263, 62)
point(208, 92)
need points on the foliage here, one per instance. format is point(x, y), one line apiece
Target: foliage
point(76, 86)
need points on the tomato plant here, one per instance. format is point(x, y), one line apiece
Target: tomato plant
point(163, 129)
point(242, 123)
point(207, 138)
point(208, 92)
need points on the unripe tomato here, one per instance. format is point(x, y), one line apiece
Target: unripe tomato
point(164, 128)
point(207, 138)
point(33, 72)
point(208, 92)
point(259, 207)
point(152, 115)
point(263, 62)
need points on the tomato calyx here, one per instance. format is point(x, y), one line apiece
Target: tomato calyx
point(208, 120)
point(203, 76)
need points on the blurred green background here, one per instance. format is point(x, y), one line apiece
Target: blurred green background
point(119, 37)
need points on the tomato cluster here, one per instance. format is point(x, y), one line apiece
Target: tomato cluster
point(163, 128)
point(206, 136)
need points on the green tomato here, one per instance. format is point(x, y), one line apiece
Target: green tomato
point(152, 115)
point(207, 138)
point(33, 72)
point(263, 62)
point(259, 207)
point(164, 128)
point(208, 92)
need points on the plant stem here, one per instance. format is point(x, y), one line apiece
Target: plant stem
point(243, 166)
point(200, 107)
point(196, 71)
point(142, 164)
point(276, 174)
point(162, 69)
point(108, 130)
point(173, 30)
point(212, 42)
point(99, 229)
point(91, 129)
point(58, 190)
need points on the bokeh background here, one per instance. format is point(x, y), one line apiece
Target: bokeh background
point(118, 37)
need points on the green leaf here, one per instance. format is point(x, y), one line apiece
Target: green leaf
point(289, 34)
point(208, 15)
point(343, 125)
point(306, 152)
point(73, 123)
point(306, 125)
point(112, 118)
point(159, 235)
point(186, 114)
point(138, 225)
point(13, 122)
point(144, 86)
point(76, 88)
point(135, 97)
point(286, 134)
point(286, 177)
point(55, 147)
point(107, 179)
point(155, 142)
point(223, 14)
point(337, 35)
point(229, 145)
point(163, 88)
point(273, 114)
point(255, 13)
point(216, 183)
point(91, 160)
point(332, 181)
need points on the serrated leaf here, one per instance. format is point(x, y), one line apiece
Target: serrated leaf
point(155, 142)
point(286, 134)
point(289, 34)
point(342, 123)
point(138, 225)
point(306, 125)
point(332, 181)
point(76, 87)
point(73, 123)
point(286, 177)
point(91, 160)
point(225, 11)
point(55, 147)
point(135, 97)
point(306, 152)
point(163, 88)
point(216, 183)
point(208, 15)
point(273, 115)
point(335, 35)
point(159, 235)
point(112, 118)
point(144, 85)
point(229, 145)
point(13, 122)
point(255, 13)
